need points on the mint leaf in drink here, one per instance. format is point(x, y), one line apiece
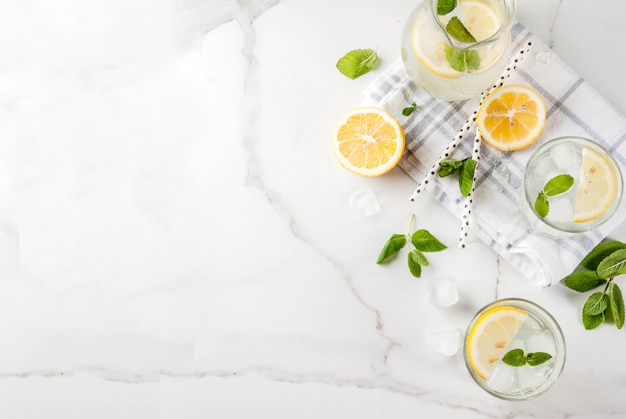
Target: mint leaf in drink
point(414, 267)
point(542, 206)
point(537, 358)
point(462, 60)
point(614, 264)
point(583, 281)
point(409, 109)
point(616, 302)
point(596, 304)
point(392, 247)
point(514, 358)
point(419, 257)
point(423, 240)
point(466, 176)
point(447, 167)
point(591, 322)
point(600, 252)
point(357, 62)
point(458, 31)
point(558, 184)
point(445, 6)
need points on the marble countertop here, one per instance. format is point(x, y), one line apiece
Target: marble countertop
point(176, 237)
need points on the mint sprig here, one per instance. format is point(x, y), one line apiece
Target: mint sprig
point(458, 31)
point(357, 62)
point(465, 168)
point(555, 186)
point(604, 262)
point(419, 242)
point(445, 6)
point(517, 358)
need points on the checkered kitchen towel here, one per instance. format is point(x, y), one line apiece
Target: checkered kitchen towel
point(574, 108)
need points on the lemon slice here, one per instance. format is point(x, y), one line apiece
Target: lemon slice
point(429, 43)
point(511, 117)
point(368, 141)
point(596, 188)
point(490, 336)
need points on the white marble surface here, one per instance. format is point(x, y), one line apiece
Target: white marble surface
point(175, 234)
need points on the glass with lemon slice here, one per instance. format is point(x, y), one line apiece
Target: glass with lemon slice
point(513, 324)
point(594, 196)
point(444, 60)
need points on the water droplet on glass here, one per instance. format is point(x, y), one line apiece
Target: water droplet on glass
point(444, 340)
point(442, 291)
point(543, 58)
point(364, 202)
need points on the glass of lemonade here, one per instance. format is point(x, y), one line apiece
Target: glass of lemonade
point(513, 324)
point(593, 197)
point(446, 62)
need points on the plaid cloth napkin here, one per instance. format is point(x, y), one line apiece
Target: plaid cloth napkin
point(573, 108)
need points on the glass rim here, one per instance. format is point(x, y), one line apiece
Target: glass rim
point(585, 225)
point(548, 321)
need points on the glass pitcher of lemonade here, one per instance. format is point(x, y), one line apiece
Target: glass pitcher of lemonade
point(455, 49)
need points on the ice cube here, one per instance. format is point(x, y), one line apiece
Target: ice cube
point(561, 209)
point(444, 340)
point(532, 377)
point(364, 202)
point(566, 157)
point(442, 291)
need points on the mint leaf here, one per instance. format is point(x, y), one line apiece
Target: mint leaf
point(542, 206)
point(393, 246)
point(414, 267)
point(616, 302)
point(409, 109)
point(357, 62)
point(462, 60)
point(458, 31)
point(426, 242)
point(537, 358)
point(558, 184)
point(600, 252)
point(514, 358)
point(583, 281)
point(466, 176)
point(596, 304)
point(445, 6)
point(419, 257)
point(447, 167)
point(614, 264)
point(591, 322)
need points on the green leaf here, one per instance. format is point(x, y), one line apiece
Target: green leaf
point(600, 252)
point(462, 60)
point(447, 167)
point(445, 6)
point(596, 304)
point(357, 62)
point(542, 206)
point(409, 109)
point(614, 264)
point(458, 31)
point(514, 358)
point(466, 176)
point(419, 257)
point(591, 322)
point(414, 267)
point(558, 184)
point(537, 358)
point(583, 281)
point(393, 246)
point(426, 242)
point(617, 304)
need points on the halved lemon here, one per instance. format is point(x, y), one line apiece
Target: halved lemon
point(491, 335)
point(596, 188)
point(429, 43)
point(511, 117)
point(368, 141)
